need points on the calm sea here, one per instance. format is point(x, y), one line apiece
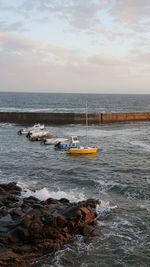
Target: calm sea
point(119, 175)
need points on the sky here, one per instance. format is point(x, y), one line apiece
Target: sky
point(75, 46)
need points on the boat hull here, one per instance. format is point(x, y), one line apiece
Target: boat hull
point(90, 150)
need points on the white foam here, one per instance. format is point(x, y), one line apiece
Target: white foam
point(146, 207)
point(6, 124)
point(148, 180)
point(105, 207)
point(44, 193)
point(71, 195)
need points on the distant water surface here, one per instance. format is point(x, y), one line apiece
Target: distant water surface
point(73, 103)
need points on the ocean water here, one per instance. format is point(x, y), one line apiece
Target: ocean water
point(119, 175)
point(97, 103)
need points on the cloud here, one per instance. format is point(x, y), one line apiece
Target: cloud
point(12, 43)
point(104, 60)
point(140, 57)
point(131, 11)
point(11, 27)
point(6, 6)
point(77, 13)
point(27, 74)
point(24, 67)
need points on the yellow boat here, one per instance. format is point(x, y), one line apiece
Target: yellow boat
point(82, 150)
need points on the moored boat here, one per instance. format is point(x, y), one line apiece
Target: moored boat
point(37, 136)
point(32, 129)
point(40, 138)
point(82, 150)
point(54, 141)
point(72, 142)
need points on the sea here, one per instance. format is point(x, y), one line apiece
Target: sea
point(118, 175)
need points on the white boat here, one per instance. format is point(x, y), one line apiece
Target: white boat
point(33, 129)
point(72, 142)
point(38, 134)
point(54, 141)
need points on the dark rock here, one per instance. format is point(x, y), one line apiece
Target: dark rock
point(35, 227)
point(88, 229)
point(64, 200)
point(37, 206)
point(51, 201)
point(16, 212)
point(61, 221)
point(30, 200)
point(23, 233)
point(3, 211)
point(11, 259)
point(11, 187)
point(26, 222)
point(70, 212)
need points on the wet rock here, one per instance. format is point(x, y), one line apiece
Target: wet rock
point(51, 201)
point(87, 230)
point(64, 200)
point(16, 212)
point(30, 200)
point(9, 258)
point(3, 211)
point(10, 187)
point(26, 222)
point(30, 227)
point(37, 206)
point(61, 221)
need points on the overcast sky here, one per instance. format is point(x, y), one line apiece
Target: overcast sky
point(86, 46)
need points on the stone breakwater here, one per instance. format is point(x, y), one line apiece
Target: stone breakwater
point(71, 118)
point(30, 228)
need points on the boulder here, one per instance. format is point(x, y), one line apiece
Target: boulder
point(30, 227)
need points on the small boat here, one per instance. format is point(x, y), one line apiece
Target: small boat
point(32, 129)
point(72, 142)
point(82, 150)
point(40, 138)
point(54, 141)
point(37, 136)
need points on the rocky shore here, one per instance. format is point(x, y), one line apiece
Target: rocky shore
point(31, 228)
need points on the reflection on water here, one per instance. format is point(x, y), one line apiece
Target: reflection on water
point(90, 155)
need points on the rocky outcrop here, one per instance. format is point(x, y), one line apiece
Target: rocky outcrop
point(30, 228)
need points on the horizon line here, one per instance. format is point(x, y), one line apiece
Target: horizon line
point(37, 92)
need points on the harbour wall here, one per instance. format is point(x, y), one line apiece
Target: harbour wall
point(71, 118)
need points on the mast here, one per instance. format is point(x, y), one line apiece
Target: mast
point(86, 116)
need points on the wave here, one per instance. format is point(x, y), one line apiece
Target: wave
point(72, 195)
point(105, 207)
point(49, 110)
point(44, 193)
point(6, 125)
point(142, 145)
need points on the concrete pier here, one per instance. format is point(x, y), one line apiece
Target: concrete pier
point(71, 118)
